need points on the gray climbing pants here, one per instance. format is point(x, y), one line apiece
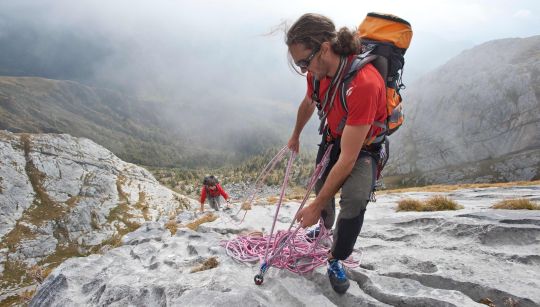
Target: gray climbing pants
point(355, 195)
point(214, 202)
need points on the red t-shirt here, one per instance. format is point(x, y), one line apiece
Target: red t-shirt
point(366, 100)
point(213, 193)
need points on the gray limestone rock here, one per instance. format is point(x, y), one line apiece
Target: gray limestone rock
point(474, 119)
point(63, 196)
point(446, 258)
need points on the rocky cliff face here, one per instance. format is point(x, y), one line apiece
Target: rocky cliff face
point(62, 196)
point(474, 119)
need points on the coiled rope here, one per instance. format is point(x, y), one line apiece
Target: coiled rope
point(286, 249)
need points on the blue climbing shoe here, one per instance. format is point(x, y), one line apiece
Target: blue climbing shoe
point(337, 276)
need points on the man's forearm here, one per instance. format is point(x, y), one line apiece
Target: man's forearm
point(305, 110)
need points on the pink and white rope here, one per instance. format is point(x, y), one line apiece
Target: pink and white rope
point(286, 249)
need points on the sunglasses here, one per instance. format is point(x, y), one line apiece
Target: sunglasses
point(304, 63)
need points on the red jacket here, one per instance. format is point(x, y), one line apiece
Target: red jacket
point(218, 191)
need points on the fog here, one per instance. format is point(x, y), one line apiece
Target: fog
point(206, 56)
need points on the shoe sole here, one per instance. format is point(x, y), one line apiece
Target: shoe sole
point(338, 286)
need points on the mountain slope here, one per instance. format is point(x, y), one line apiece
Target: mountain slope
point(143, 132)
point(473, 119)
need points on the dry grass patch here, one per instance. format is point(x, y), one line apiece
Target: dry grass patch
point(246, 206)
point(143, 206)
point(516, 204)
point(297, 193)
point(272, 199)
point(487, 301)
point(122, 214)
point(448, 188)
point(172, 226)
point(435, 203)
point(182, 201)
point(62, 252)
point(208, 264)
point(441, 203)
point(18, 234)
point(27, 295)
point(409, 204)
point(38, 273)
point(210, 217)
point(255, 233)
point(72, 201)
point(15, 273)
point(120, 181)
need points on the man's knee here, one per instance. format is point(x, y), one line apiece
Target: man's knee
point(351, 207)
point(348, 230)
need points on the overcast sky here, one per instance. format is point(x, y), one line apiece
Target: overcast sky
point(218, 49)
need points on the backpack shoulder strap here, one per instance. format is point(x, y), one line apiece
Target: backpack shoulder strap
point(316, 84)
point(358, 63)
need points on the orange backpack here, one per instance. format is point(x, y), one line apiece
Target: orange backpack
point(384, 39)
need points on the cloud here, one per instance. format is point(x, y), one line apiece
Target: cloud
point(522, 14)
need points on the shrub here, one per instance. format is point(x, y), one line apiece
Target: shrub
point(516, 204)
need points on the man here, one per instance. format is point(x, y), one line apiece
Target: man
point(213, 190)
point(326, 55)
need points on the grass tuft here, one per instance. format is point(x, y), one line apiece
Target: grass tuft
point(409, 204)
point(297, 193)
point(516, 204)
point(210, 217)
point(208, 264)
point(38, 273)
point(272, 199)
point(246, 206)
point(25, 297)
point(487, 301)
point(172, 226)
point(447, 188)
point(441, 203)
point(435, 203)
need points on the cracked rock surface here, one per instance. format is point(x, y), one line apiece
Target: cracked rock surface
point(62, 196)
point(450, 258)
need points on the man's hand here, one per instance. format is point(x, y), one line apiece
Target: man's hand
point(294, 144)
point(309, 216)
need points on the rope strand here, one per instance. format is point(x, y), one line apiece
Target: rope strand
point(286, 249)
